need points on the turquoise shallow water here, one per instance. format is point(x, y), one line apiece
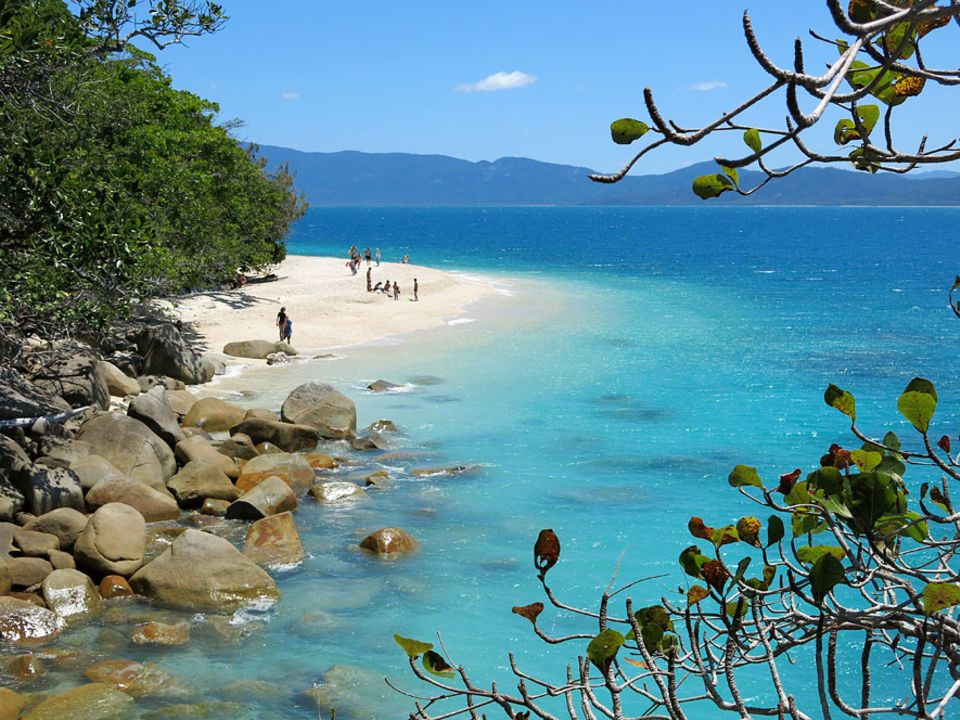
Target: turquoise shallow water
point(634, 356)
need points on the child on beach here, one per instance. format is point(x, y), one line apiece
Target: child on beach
point(287, 331)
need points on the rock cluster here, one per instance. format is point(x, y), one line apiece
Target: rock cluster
point(81, 493)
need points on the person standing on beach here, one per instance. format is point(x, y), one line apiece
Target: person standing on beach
point(378, 257)
point(396, 290)
point(416, 290)
point(369, 282)
point(367, 256)
point(287, 331)
point(282, 321)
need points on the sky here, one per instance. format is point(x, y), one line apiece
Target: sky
point(526, 78)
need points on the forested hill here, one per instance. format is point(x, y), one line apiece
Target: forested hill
point(355, 178)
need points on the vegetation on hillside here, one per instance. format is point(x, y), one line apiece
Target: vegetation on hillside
point(115, 186)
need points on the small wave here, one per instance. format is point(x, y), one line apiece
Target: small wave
point(766, 272)
point(461, 321)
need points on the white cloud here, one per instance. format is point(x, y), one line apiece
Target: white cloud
point(289, 95)
point(499, 81)
point(708, 86)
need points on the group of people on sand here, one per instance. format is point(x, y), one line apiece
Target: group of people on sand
point(284, 325)
point(356, 258)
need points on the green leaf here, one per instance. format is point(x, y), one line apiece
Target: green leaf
point(603, 648)
point(845, 131)
point(908, 524)
point(891, 441)
point(956, 284)
point(731, 173)
point(869, 115)
point(743, 475)
point(434, 664)
point(841, 400)
point(861, 75)
point(866, 460)
point(752, 138)
point(725, 535)
point(711, 186)
point(741, 570)
point(625, 130)
point(940, 596)
point(775, 530)
point(655, 614)
point(691, 560)
point(918, 403)
point(413, 648)
point(826, 574)
point(809, 554)
point(738, 607)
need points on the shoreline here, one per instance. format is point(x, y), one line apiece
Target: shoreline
point(330, 308)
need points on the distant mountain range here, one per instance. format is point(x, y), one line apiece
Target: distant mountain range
point(352, 178)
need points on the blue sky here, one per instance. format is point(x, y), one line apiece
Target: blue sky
point(487, 80)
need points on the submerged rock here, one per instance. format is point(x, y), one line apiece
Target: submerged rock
point(158, 633)
point(337, 491)
point(94, 701)
point(135, 678)
point(23, 622)
point(202, 572)
point(382, 386)
point(390, 541)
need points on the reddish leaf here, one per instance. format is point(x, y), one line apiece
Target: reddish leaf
point(715, 573)
point(944, 444)
point(546, 552)
point(637, 663)
point(787, 481)
point(699, 529)
point(530, 612)
point(836, 457)
point(696, 593)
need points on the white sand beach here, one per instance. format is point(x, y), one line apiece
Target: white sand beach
point(330, 307)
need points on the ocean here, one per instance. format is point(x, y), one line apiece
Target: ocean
point(632, 357)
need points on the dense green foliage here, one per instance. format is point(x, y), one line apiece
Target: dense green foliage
point(115, 186)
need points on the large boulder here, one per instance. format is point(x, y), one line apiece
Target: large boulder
point(25, 572)
point(153, 410)
point(152, 504)
point(198, 481)
point(213, 415)
point(274, 541)
point(270, 497)
point(181, 401)
point(11, 499)
point(389, 541)
point(165, 353)
point(201, 572)
point(48, 488)
point(292, 468)
point(93, 701)
point(61, 452)
point(119, 384)
point(23, 622)
point(113, 542)
point(288, 437)
point(131, 447)
point(20, 398)
point(71, 595)
point(92, 469)
point(256, 349)
point(197, 447)
point(322, 406)
point(65, 523)
point(75, 378)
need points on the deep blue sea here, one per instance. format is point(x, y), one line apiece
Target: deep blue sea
point(633, 356)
